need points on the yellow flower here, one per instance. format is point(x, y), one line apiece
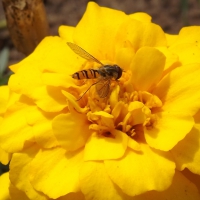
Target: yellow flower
point(140, 142)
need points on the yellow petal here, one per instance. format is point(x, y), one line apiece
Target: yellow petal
point(180, 189)
point(140, 16)
point(189, 35)
point(147, 68)
point(188, 53)
point(168, 130)
point(71, 130)
point(137, 173)
point(73, 196)
point(172, 59)
point(171, 39)
point(19, 173)
point(12, 138)
point(194, 178)
point(4, 185)
point(4, 95)
point(140, 34)
point(57, 80)
point(16, 193)
point(45, 58)
point(102, 148)
point(96, 184)
point(66, 32)
point(187, 152)
point(124, 56)
point(49, 99)
point(100, 29)
point(4, 157)
point(179, 90)
point(60, 173)
point(41, 123)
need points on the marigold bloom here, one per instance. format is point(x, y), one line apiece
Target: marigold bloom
point(140, 142)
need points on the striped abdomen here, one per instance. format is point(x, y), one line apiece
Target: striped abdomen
point(86, 74)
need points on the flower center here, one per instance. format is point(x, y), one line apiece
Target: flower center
point(129, 112)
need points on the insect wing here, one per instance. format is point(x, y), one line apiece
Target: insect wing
point(82, 53)
point(103, 87)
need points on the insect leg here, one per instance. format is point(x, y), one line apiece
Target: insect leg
point(87, 90)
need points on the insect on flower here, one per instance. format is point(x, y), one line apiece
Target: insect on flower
point(104, 74)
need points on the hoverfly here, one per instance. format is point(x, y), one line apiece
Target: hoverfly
point(104, 74)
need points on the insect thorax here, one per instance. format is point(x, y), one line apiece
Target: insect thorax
point(110, 71)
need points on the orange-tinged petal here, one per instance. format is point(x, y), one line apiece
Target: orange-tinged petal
point(178, 90)
point(194, 178)
point(41, 123)
point(168, 130)
point(140, 34)
point(180, 189)
point(60, 174)
point(19, 173)
point(96, 184)
point(14, 128)
point(16, 193)
point(103, 148)
point(100, 29)
point(147, 68)
point(140, 172)
point(187, 152)
point(66, 32)
point(4, 185)
point(140, 16)
point(73, 196)
point(71, 130)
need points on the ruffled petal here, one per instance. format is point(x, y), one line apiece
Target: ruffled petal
point(41, 123)
point(45, 58)
point(178, 90)
point(139, 172)
point(13, 138)
point(4, 157)
point(194, 178)
point(140, 16)
point(168, 130)
point(180, 189)
point(187, 152)
point(4, 185)
point(100, 29)
point(16, 193)
point(73, 196)
point(61, 169)
point(71, 130)
point(140, 34)
point(66, 32)
point(103, 148)
point(96, 184)
point(147, 68)
point(19, 173)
